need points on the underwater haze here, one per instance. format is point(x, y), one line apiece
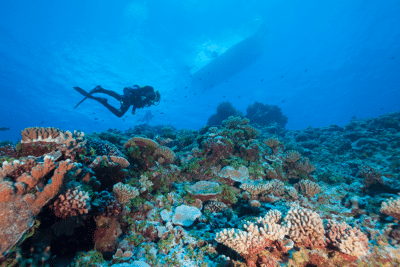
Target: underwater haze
point(321, 62)
point(200, 133)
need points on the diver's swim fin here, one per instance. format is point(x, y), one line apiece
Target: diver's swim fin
point(83, 92)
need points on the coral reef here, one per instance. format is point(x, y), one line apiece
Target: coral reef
point(147, 153)
point(228, 195)
point(224, 111)
point(264, 115)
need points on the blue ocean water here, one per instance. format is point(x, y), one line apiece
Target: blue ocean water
point(323, 62)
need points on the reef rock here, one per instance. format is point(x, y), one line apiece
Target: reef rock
point(185, 215)
point(239, 175)
point(166, 215)
point(205, 190)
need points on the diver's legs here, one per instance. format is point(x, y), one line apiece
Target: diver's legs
point(99, 89)
point(117, 112)
point(83, 92)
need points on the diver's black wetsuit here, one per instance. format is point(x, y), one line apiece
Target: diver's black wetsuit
point(135, 96)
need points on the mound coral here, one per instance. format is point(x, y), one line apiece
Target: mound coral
point(217, 148)
point(102, 147)
point(106, 205)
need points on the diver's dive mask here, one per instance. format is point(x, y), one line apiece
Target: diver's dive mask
point(156, 100)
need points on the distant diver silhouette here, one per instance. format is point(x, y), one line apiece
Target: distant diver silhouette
point(135, 96)
point(232, 61)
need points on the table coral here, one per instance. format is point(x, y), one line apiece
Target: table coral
point(38, 141)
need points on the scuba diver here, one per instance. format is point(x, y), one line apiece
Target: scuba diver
point(138, 97)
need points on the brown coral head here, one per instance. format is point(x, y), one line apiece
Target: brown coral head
point(73, 202)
